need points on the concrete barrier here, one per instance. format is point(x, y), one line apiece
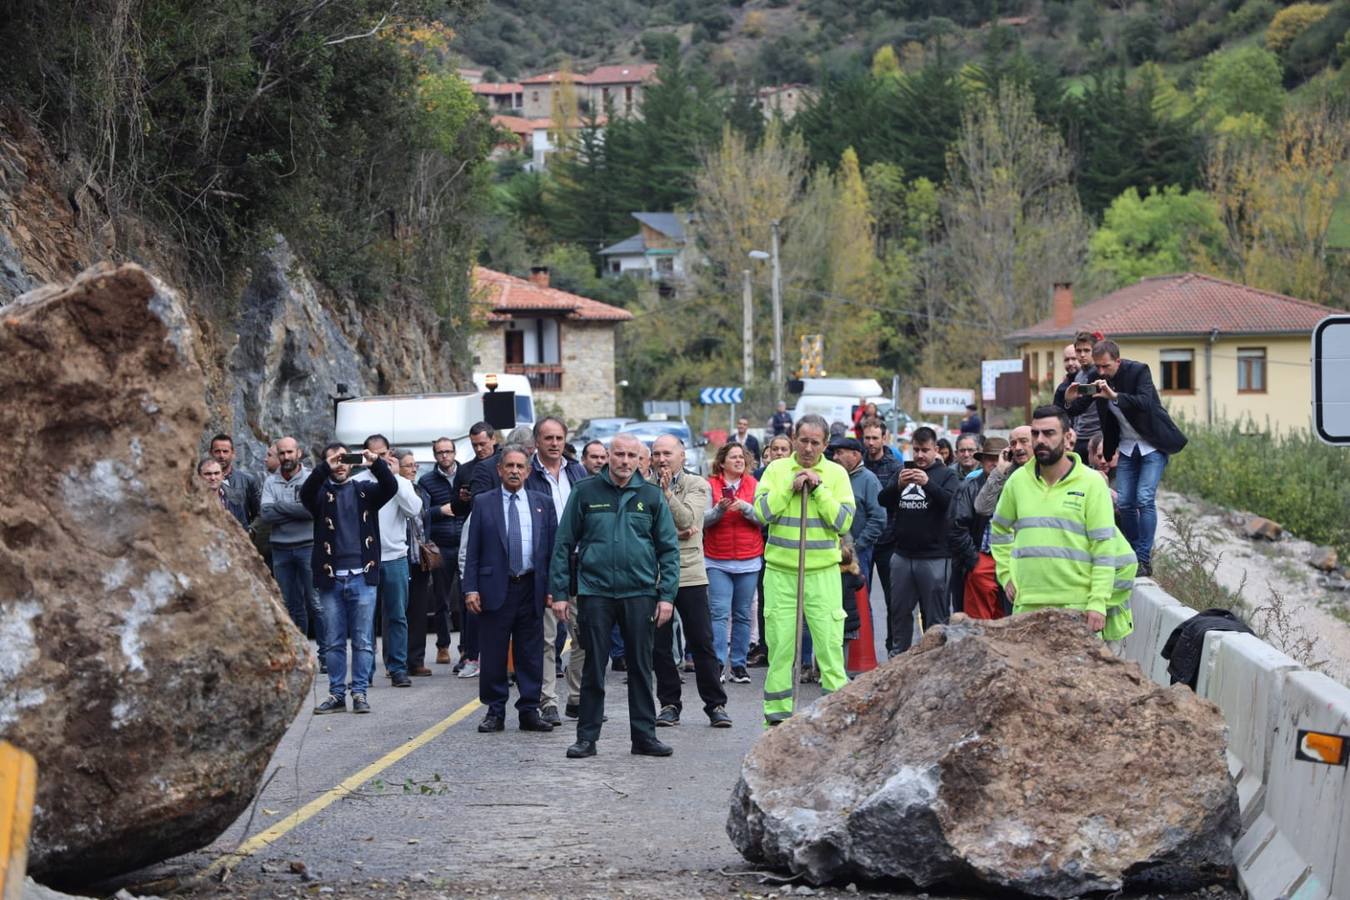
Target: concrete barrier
point(1156, 613)
point(1295, 839)
point(1242, 675)
point(1307, 800)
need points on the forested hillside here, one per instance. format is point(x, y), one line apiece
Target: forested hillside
point(947, 170)
point(768, 41)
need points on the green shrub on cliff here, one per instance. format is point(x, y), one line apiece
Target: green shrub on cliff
point(223, 122)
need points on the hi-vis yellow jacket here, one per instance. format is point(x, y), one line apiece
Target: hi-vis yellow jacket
point(829, 513)
point(1059, 545)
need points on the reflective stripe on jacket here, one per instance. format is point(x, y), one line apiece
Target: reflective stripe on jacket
point(829, 513)
point(1058, 544)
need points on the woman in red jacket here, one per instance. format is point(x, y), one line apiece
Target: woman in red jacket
point(733, 549)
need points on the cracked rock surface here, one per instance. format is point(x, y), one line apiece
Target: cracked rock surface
point(1013, 755)
point(145, 657)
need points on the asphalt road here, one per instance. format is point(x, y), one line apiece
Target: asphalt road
point(468, 813)
point(353, 810)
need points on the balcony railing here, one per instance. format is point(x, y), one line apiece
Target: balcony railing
point(542, 377)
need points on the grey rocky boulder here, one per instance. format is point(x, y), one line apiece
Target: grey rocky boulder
point(1015, 755)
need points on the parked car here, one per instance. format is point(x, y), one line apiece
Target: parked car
point(695, 460)
point(602, 430)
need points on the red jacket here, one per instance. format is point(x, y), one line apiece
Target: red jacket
point(734, 536)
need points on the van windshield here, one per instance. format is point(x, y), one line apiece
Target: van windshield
point(524, 409)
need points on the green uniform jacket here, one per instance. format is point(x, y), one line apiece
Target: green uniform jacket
point(624, 539)
point(1058, 544)
point(829, 513)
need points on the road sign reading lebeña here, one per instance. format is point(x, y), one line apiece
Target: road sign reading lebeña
point(945, 401)
point(719, 395)
point(1331, 379)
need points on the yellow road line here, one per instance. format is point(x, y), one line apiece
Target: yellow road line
point(319, 804)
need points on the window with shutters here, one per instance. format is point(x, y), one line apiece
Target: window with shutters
point(1251, 370)
point(1178, 371)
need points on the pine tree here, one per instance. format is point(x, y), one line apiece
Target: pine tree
point(1124, 140)
point(583, 204)
point(653, 159)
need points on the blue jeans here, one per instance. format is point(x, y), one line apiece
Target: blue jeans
point(730, 599)
point(1137, 479)
point(394, 614)
point(349, 613)
point(291, 569)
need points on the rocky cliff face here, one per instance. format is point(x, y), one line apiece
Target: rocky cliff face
point(273, 362)
point(294, 343)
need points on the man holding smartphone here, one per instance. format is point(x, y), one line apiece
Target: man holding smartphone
point(346, 565)
point(1086, 424)
point(1134, 422)
point(921, 563)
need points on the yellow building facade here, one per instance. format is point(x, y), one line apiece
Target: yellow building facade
point(1219, 352)
point(1266, 380)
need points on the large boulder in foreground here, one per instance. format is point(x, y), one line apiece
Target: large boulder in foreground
point(145, 657)
point(1017, 755)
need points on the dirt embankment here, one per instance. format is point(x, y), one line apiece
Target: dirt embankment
point(1281, 589)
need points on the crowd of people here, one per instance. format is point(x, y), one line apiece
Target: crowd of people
point(523, 545)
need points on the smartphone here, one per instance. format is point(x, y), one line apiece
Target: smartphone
point(1087, 390)
point(352, 459)
point(728, 491)
point(911, 464)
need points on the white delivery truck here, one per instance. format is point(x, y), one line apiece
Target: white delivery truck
point(835, 398)
point(410, 421)
point(414, 421)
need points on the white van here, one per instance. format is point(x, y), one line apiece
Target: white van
point(518, 383)
point(411, 421)
point(834, 399)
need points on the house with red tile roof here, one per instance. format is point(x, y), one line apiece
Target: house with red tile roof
point(502, 97)
point(614, 90)
point(617, 90)
point(540, 89)
point(563, 342)
point(1219, 350)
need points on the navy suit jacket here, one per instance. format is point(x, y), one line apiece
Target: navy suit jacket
point(486, 561)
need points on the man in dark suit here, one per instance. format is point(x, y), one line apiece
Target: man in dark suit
point(506, 563)
point(1134, 422)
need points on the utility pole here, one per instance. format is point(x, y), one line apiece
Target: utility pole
point(778, 385)
point(747, 332)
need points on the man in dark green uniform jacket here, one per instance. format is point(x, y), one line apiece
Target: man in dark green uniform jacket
point(618, 538)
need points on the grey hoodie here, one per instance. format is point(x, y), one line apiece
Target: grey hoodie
point(292, 525)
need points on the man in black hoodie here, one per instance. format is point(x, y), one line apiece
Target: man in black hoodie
point(918, 497)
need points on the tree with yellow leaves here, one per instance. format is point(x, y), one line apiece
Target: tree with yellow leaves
point(1292, 21)
point(566, 110)
point(1276, 199)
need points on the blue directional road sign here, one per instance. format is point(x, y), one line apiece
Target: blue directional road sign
point(713, 396)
